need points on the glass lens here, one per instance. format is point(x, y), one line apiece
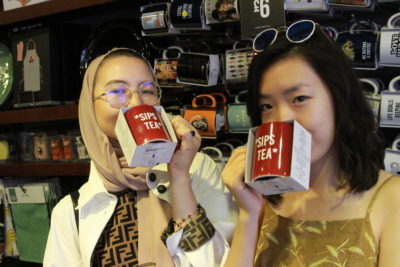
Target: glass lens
point(149, 93)
point(300, 31)
point(118, 97)
point(264, 39)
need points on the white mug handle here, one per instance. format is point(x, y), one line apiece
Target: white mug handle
point(226, 144)
point(373, 83)
point(213, 149)
point(394, 84)
point(394, 21)
point(396, 144)
point(180, 49)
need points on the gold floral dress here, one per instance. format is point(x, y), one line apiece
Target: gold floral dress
point(287, 242)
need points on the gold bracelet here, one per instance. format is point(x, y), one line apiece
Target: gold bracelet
point(188, 218)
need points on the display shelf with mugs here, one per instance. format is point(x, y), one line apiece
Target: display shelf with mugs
point(195, 71)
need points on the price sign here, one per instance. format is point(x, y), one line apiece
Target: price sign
point(257, 15)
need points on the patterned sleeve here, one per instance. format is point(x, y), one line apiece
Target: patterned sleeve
point(195, 233)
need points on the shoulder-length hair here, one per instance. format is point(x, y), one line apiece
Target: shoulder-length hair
point(359, 149)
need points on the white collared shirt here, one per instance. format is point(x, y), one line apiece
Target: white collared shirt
point(65, 247)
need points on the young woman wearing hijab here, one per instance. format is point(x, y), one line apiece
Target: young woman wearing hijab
point(176, 214)
point(350, 216)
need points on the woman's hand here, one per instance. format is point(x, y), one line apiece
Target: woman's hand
point(249, 200)
point(190, 142)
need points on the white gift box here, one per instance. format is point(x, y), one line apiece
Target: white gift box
point(150, 154)
point(299, 178)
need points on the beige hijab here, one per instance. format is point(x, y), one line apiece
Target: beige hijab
point(153, 213)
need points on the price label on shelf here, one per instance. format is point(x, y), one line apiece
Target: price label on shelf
point(259, 15)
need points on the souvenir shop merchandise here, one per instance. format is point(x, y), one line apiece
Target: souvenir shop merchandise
point(390, 105)
point(45, 73)
point(389, 45)
point(6, 74)
point(205, 116)
point(187, 15)
point(165, 68)
point(155, 20)
point(198, 69)
point(146, 135)
point(221, 11)
point(278, 158)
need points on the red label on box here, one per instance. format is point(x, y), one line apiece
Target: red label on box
point(272, 150)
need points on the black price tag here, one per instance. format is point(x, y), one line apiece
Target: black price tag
point(257, 15)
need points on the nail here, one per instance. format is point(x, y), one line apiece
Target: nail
point(193, 133)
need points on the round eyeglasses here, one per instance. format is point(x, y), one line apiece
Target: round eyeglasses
point(119, 94)
point(297, 32)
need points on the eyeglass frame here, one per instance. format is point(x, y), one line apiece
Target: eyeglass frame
point(159, 92)
point(286, 29)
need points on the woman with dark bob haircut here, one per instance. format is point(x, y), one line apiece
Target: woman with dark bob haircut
point(350, 216)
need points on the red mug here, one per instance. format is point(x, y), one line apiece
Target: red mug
point(146, 125)
point(272, 150)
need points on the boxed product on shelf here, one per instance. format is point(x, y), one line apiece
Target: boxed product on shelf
point(46, 63)
point(13, 4)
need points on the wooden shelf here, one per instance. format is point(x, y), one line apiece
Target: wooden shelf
point(44, 168)
point(67, 112)
point(46, 8)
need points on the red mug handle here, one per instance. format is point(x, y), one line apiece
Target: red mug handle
point(221, 96)
point(213, 101)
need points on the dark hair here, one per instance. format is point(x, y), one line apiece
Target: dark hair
point(359, 148)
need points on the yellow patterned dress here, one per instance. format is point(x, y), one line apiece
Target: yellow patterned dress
point(287, 242)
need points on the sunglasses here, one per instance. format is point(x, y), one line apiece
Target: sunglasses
point(297, 32)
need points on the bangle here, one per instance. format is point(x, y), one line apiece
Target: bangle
point(181, 222)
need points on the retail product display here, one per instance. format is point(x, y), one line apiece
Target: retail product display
point(165, 68)
point(221, 11)
point(205, 116)
point(199, 50)
point(146, 135)
point(44, 71)
point(6, 73)
point(278, 158)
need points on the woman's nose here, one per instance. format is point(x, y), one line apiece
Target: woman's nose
point(135, 100)
point(284, 113)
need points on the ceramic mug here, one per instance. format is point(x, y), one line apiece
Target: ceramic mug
point(207, 118)
point(198, 69)
point(272, 150)
point(372, 93)
point(188, 14)
point(360, 47)
point(390, 105)
point(146, 125)
point(155, 20)
point(222, 102)
point(238, 120)
point(165, 68)
point(389, 49)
